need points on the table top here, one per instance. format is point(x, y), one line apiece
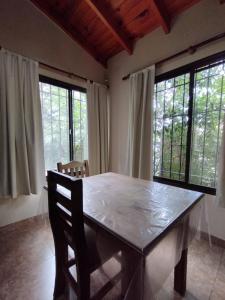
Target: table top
point(136, 211)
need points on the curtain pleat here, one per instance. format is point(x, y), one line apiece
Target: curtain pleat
point(140, 135)
point(98, 128)
point(21, 137)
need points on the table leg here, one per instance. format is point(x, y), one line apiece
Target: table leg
point(180, 274)
point(127, 271)
point(130, 266)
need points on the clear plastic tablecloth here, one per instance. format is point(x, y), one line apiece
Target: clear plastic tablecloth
point(148, 224)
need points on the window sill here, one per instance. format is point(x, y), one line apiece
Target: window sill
point(184, 185)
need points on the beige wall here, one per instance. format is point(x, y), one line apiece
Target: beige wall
point(198, 23)
point(213, 218)
point(26, 31)
point(13, 210)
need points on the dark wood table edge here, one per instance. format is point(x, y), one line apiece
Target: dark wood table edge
point(170, 226)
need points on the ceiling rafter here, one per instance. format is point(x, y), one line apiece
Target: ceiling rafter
point(106, 27)
point(160, 14)
point(72, 8)
point(104, 14)
point(76, 36)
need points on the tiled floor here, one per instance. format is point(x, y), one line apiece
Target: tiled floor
point(27, 266)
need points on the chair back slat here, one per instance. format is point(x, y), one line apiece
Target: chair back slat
point(64, 214)
point(77, 171)
point(65, 181)
point(72, 282)
point(82, 171)
point(86, 168)
point(72, 172)
point(74, 168)
point(63, 200)
point(65, 226)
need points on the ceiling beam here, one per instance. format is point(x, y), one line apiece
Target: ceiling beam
point(160, 14)
point(71, 9)
point(76, 36)
point(106, 16)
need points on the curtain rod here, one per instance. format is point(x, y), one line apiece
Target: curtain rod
point(192, 49)
point(69, 74)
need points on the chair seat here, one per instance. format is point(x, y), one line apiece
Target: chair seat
point(99, 246)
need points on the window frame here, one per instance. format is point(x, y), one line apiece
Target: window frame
point(70, 87)
point(191, 69)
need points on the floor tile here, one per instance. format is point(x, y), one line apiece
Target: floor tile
point(27, 266)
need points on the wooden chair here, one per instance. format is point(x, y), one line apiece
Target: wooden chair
point(74, 168)
point(69, 230)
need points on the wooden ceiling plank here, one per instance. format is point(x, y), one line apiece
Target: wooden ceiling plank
point(76, 36)
point(82, 15)
point(128, 15)
point(161, 15)
point(132, 19)
point(71, 10)
point(143, 28)
point(106, 17)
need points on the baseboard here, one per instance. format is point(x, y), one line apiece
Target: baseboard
point(215, 240)
point(38, 218)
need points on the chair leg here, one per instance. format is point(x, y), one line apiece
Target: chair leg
point(60, 283)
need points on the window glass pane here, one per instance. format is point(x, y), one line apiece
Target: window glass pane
point(80, 131)
point(55, 119)
point(208, 114)
point(170, 127)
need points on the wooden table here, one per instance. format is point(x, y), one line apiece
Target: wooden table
point(146, 216)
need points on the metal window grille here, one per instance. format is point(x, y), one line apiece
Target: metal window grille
point(64, 117)
point(80, 131)
point(170, 127)
point(188, 120)
point(207, 123)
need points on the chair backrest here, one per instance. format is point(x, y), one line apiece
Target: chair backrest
point(67, 223)
point(74, 168)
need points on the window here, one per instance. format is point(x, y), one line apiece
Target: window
point(80, 137)
point(64, 116)
point(189, 106)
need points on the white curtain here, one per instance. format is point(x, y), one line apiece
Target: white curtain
point(220, 190)
point(21, 150)
point(141, 123)
point(98, 128)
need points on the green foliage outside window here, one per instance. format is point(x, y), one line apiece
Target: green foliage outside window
point(80, 132)
point(171, 105)
point(56, 125)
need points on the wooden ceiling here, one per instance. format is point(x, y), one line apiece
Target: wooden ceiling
point(106, 27)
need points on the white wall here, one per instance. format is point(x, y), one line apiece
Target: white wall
point(201, 22)
point(26, 31)
point(13, 210)
point(214, 219)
